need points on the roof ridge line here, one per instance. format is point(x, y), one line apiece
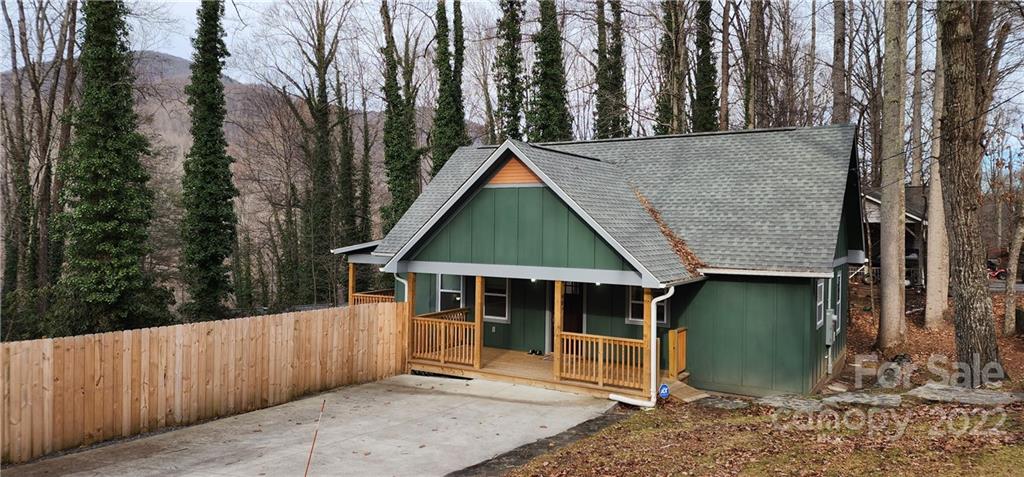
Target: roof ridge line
point(556, 151)
point(700, 134)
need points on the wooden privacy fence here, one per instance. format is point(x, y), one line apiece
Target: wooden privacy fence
point(66, 392)
point(602, 360)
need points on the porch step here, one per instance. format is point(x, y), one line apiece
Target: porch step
point(685, 393)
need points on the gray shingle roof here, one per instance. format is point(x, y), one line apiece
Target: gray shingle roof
point(599, 189)
point(760, 200)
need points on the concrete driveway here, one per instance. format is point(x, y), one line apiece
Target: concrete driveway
point(406, 425)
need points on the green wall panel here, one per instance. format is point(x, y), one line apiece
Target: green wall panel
point(747, 335)
point(519, 226)
point(530, 232)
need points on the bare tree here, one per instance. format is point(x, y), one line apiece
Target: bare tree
point(971, 50)
point(916, 153)
point(892, 321)
point(840, 100)
point(35, 93)
point(937, 273)
point(723, 89)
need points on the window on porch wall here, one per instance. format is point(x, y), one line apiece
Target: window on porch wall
point(449, 292)
point(635, 314)
point(496, 302)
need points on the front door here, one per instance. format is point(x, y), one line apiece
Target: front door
point(572, 318)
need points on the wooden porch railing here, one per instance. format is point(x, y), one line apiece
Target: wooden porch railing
point(602, 360)
point(455, 314)
point(374, 296)
point(444, 337)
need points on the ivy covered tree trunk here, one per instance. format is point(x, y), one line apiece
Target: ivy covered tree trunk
point(449, 125)
point(548, 116)
point(611, 114)
point(401, 159)
point(509, 70)
point(365, 181)
point(705, 103)
point(209, 221)
point(672, 58)
point(107, 205)
point(345, 200)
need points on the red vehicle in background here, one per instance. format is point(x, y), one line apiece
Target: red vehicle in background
point(995, 272)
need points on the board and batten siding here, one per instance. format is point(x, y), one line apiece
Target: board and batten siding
point(519, 226)
point(748, 335)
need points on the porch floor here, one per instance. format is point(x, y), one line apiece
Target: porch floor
point(518, 367)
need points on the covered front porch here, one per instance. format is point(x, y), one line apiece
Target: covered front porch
point(452, 342)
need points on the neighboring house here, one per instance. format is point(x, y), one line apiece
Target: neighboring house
point(916, 207)
point(569, 249)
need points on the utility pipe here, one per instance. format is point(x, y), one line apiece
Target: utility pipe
point(653, 400)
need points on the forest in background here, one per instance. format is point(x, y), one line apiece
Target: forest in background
point(343, 110)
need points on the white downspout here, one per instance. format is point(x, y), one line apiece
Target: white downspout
point(653, 345)
point(405, 285)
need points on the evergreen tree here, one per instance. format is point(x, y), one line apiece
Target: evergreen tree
point(611, 114)
point(458, 61)
point(547, 118)
point(449, 125)
point(208, 225)
point(365, 182)
point(401, 159)
point(509, 69)
point(670, 106)
point(106, 204)
point(705, 102)
point(241, 273)
point(345, 206)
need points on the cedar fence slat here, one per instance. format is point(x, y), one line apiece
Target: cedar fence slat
point(61, 393)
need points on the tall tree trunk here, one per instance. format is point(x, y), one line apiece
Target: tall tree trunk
point(754, 68)
point(812, 59)
point(937, 275)
point(971, 69)
point(723, 91)
point(916, 153)
point(892, 322)
point(840, 100)
point(1010, 298)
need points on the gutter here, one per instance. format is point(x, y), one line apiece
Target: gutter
point(653, 345)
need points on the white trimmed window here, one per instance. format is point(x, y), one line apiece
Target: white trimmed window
point(819, 308)
point(635, 312)
point(449, 292)
point(496, 302)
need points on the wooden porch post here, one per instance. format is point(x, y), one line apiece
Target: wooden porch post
point(648, 329)
point(351, 282)
point(557, 333)
point(478, 314)
point(410, 301)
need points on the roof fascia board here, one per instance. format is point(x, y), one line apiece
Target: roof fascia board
point(648, 278)
point(584, 275)
point(764, 273)
point(367, 258)
point(358, 246)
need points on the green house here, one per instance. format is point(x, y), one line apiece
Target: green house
point(727, 252)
